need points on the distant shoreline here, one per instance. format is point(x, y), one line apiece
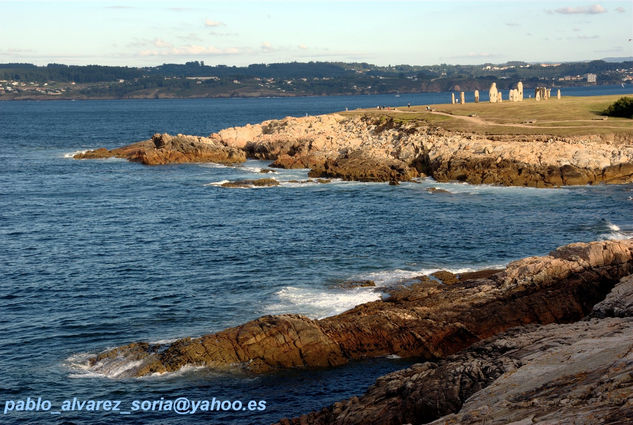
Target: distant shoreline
point(276, 96)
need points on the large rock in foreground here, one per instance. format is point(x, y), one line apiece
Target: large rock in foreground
point(429, 320)
point(166, 149)
point(580, 373)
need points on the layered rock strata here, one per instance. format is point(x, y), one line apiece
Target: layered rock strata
point(166, 149)
point(428, 320)
point(579, 373)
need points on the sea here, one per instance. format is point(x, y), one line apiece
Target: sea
point(100, 253)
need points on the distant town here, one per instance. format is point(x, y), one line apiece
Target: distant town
point(195, 79)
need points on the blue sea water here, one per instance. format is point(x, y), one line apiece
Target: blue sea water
point(94, 254)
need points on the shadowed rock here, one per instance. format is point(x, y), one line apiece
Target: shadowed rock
point(424, 321)
point(580, 373)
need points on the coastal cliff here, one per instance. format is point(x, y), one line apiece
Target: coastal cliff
point(381, 149)
point(370, 148)
point(428, 320)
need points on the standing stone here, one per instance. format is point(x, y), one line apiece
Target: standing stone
point(500, 97)
point(558, 94)
point(477, 96)
point(548, 93)
point(520, 90)
point(493, 93)
point(540, 93)
point(462, 98)
point(452, 98)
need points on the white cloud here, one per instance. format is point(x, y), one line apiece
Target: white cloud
point(302, 47)
point(620, 9)
point(212, 23)
point(267, 47)
point(161, 43)
point(594, 9)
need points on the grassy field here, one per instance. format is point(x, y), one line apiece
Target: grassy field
point(568, 116)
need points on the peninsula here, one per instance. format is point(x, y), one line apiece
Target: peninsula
point(530, 143)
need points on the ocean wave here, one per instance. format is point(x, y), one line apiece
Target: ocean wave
point(114, 367)
point(220, 183)
point(72, 154)
point(607, 230)
point(318, 303)
point(462, 188)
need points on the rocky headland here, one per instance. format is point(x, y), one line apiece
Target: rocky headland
point(427, 320)
point(369, 148)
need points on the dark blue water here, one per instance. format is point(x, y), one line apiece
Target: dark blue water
point(94, 254)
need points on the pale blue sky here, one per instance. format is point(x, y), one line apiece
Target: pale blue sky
point(239, 32)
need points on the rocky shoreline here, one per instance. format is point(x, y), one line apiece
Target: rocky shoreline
point(546, 340)
point(379, 149)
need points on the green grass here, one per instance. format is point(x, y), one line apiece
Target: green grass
point(569, 116)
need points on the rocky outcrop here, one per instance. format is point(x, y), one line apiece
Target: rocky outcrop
point(166, 149)
point(383, 149)
point(251, 183)
point(429, 320)
point(579, 373)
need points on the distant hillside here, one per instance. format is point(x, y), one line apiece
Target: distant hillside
point(195, 79)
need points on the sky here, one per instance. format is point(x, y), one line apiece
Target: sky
point(147, 33)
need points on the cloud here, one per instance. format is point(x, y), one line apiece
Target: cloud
point(594, 9)
point(212, 23)
point(267, 47)
point(620, 9)
point(302, 47)
point(119, 6)
point(190, 50)
point(512, 24)
point(161, 43)
point(190, 37)
point(587, 37)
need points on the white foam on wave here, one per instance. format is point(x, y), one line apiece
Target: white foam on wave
point(213, 165)
point(462, 188)
point(614, 232)
point(114, 367)
point(220, 183)
point(72, 154)
point(385, 278)
point(613, 227)
point(182, 371)
point(318, 303)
